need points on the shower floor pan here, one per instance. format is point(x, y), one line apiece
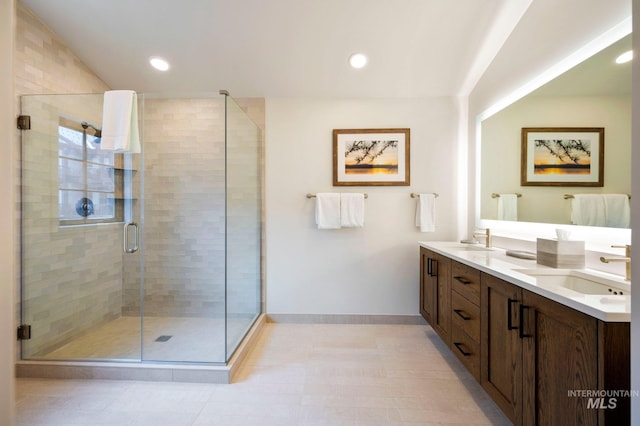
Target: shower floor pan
point(106, 345)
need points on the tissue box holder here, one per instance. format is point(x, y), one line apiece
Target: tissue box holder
point(560, 254)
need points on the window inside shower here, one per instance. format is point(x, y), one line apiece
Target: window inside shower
point(86, 177)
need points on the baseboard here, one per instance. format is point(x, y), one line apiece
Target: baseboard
point(345, 319)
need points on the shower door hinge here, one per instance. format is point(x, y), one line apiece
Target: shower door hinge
point(24, 122)
point(24, 332)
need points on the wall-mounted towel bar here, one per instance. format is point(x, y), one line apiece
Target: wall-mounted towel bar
point(568, 196)
point(314, 195)
point(414, 195)
point(495, 195)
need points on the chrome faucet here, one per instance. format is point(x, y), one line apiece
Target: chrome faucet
point(626, 258)
point(486, 235)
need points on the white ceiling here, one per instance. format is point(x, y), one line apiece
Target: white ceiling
point(282, 48)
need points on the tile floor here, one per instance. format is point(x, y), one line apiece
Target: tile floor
point(297, 374)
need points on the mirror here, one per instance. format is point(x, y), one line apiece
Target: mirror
point(595, 93)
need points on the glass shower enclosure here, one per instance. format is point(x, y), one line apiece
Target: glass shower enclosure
point(151, 256)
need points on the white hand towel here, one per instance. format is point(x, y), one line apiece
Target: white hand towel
point(617, 210)
point(508, 207)
point(328, 210)
point(352, 210)
point(426, 212)
point(588, 210)
point(120, 122)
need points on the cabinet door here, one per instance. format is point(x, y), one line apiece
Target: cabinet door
point(435, 292)
point(427, 284)
point(442, 303)
point(559, 355)
point(501, 346)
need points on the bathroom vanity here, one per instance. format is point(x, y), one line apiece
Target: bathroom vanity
point(549, 346)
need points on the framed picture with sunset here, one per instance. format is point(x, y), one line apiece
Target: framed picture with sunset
point(562, 156)
point(371, 157)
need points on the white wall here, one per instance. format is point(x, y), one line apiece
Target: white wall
point(371, 270)
point(7, 307)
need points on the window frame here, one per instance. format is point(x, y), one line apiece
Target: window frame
point(118, 210)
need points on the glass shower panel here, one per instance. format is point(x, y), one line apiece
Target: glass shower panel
point(184, 229)
point(73, 212)
point(243, 227)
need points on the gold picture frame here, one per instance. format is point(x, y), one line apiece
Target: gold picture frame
point(562, 156)
point(371, 157)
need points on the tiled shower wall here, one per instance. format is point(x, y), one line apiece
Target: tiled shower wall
point(44, 64)
point(57, 301)
point(183, 210)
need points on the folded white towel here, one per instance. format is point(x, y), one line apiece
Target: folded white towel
point(426, 212)
point(328, 210)
point(617, 210)
point(352, 210)
point(120, 122)
point(588, 210)
point(508, 207)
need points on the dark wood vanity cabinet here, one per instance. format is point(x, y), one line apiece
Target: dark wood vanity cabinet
point(537, 353)
point(538, 359)
point(435, 292)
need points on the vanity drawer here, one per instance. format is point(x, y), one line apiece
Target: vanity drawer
point(467, 350)
point(466, 281)
point(465, 315)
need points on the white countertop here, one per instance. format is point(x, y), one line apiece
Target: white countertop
point(494, 261)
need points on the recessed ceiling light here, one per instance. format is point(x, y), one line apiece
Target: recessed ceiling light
point(159, 63)
point(625, 57)
point(358, 60)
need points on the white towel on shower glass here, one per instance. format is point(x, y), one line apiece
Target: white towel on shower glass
point(426, 212)
point(617, 210)
point(352, 210)
point(508, 207)
point(328, 210)
point(120, 122)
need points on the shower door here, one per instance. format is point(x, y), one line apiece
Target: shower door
point(81, 230)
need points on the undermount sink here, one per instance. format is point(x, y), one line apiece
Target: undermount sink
point(468, 245)
point(473, 248)
point(579, 281)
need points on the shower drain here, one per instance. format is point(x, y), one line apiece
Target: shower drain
point(163, 338)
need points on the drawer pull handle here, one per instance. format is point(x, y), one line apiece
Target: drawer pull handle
point(521, 331)
point(462, 314)
point(462, 280)
point(510, 325)
point(462, 351)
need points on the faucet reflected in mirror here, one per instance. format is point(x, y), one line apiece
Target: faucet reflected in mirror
point(626, 258)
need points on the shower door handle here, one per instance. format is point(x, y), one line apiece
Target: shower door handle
point(126, 247)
